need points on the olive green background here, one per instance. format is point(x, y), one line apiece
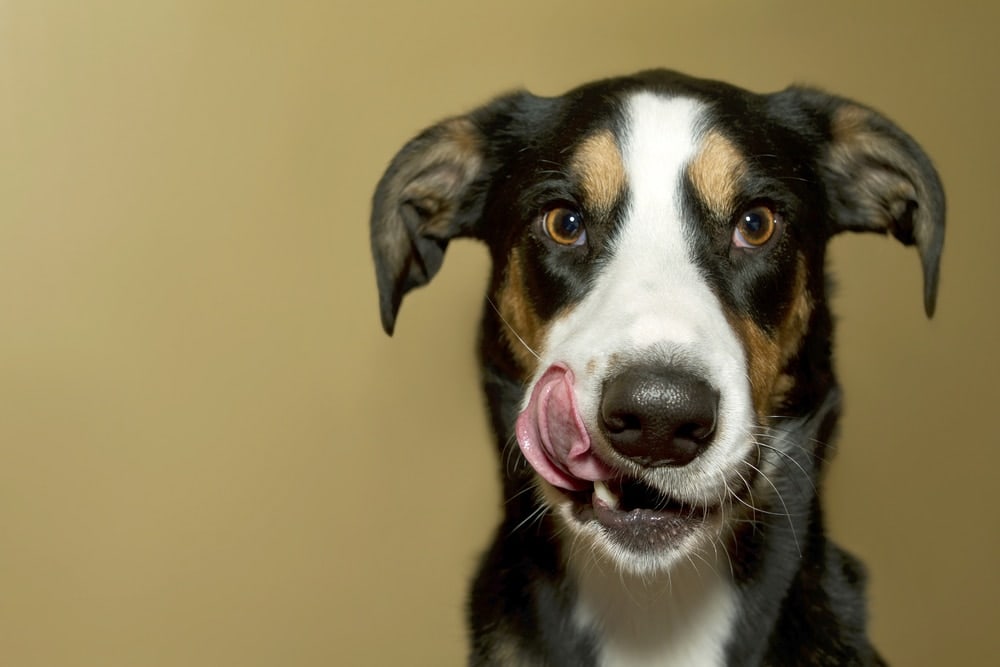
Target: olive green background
point(210, 454)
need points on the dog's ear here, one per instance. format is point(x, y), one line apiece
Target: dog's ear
point(419, 205)
point(879, 180)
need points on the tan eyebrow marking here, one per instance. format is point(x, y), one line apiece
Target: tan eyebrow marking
point(716, 172)
point(598, 165)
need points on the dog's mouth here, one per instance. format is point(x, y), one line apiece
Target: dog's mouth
point(637, 516)
point(624, 510)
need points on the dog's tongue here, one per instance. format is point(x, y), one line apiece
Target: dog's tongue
point(552, 436)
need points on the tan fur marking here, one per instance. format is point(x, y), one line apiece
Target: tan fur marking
point(762, 362)
point(767, 355)
point(849, 121)
point(851, 137)
point(854, 148)
point(716, 172)
point(457, 152)
point(463, 135)
point(522, 327)
point(506, 652)
point(598, 165)
point(432, 171)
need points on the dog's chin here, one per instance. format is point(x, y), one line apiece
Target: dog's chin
point(642, 530)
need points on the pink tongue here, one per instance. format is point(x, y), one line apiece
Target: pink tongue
point(552, 436)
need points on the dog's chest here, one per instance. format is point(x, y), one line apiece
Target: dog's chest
point(684, 621)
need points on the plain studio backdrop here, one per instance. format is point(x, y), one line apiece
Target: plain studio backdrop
point(210, 454)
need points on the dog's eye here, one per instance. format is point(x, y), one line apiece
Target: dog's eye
point(755, 227)
point(564, 226)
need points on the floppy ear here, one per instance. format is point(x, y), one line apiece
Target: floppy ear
point(422, 201)
point(879, 180)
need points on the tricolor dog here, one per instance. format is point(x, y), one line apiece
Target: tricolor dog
point(656, 355)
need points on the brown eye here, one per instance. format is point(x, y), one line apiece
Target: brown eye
point(755, 227)
point(564, 226)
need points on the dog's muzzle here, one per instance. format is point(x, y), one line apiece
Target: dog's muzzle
point(649, 418)
point(653, 416)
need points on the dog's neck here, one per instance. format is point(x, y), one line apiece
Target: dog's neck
point(683, 617)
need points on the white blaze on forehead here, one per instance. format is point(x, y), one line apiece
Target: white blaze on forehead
point(651, 300)
point(652, 255)
point(661, 140)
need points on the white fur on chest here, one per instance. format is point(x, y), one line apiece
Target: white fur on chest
point(684, 620)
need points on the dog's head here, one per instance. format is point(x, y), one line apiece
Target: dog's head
point(658, 246)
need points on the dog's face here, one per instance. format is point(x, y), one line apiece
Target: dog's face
point(658, 246)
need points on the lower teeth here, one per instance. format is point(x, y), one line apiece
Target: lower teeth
point(602, 491)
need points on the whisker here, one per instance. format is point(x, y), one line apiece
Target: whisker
point(746, 483)
point(791, 523)
point(523, 491)
point(510, 455)
point(787, 456)
point(535, 515)
point(512, 330)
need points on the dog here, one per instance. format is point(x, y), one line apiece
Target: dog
point(656, 354)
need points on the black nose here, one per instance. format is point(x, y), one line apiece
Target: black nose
point(659, 416)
